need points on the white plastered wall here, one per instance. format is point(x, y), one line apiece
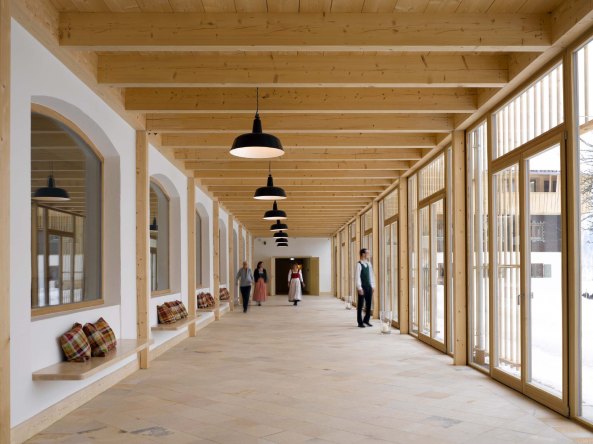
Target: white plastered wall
point(38, 77)
point(205, 209)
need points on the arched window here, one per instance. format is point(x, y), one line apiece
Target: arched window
point(159, 239)
point(66, 215)
point(199, 252)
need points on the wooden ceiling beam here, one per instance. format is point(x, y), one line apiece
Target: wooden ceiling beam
point(400, 140)
point(302, 100)
point(298, 174)
point(297, 190)
point(297, 123)
point(302, 69)
point(304, 154)
point(343, 182)
point(306, 32)
point(311, 165)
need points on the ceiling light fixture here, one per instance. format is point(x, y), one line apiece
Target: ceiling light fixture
point(275, 213)
point(278, 226)
point(51, 193)
point(270, 192)
point(257, 144)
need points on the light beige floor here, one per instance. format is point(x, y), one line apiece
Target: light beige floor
point(284, 374)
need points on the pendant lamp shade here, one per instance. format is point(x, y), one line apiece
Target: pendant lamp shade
point(282, 244)
point(270, 192)
point(257, 144)
point(153, 225)
point(278, 226)
point(275, 213)
point(280, 235)
point(281, 239)
point(51, 193)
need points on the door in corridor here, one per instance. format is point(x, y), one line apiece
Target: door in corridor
point(528, 276)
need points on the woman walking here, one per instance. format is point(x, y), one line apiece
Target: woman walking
point(260, 293)
point(295, 284)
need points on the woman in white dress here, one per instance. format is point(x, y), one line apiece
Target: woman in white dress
point(295, 285)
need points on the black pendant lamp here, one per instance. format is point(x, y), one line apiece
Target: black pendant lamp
point(278, 226)
point(270, 192)
point(275, 213)
point(153, 225)
point(282, 244)
point(280, 235)
point(51, 193)
point(257, 144)
point(281, 239)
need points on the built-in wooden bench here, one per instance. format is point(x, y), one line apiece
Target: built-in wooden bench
point(174, 326)
point(225, 307)
point(75, 371)
point(204, 319)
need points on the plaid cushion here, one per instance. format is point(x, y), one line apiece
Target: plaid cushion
point(203, 301)
point(107, 333)
point(184, 313)
point(175, 309)
point(211, 301)
point(75, 345)
point(165, 314)
point(99, 344)
point(224, 294)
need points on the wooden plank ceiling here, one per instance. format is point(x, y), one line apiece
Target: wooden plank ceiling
point(358, 91)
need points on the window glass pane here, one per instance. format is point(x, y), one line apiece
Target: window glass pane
point(413, 252)
point(395, 270)
point(391, 205)
point(533, 112)
point(507, 271)
point(437, 258)
point(584, 71)
point(68, 266)
point(431, 178)
point(425, 282)
point(387, 274)
point(545, 285)
point(477, 207)
point(159, 238)
point(367, 222)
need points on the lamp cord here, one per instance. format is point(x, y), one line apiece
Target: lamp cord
point(257, 100)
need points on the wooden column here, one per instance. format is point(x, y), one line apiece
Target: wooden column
point(458, 249)
point(231, 266)
point(191, 252)
point(142, 243)
point(355, 257)
point(403, 287)
point(5, 221)
point(571, 234)
point(375, 260)
point(216, 257)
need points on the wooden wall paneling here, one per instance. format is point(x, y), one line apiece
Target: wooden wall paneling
point(216, 257)
point(142, 243)
point(5, 221)
point(403, 288)
point(191, 252)
point(460, 294)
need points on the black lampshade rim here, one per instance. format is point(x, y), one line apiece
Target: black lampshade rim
point(51, 192)
point(269, 193)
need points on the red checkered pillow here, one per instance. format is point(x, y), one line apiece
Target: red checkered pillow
point(211, 301)
point(75, 345)
point(203, 301)
point(99, 343)
point(165, 314)
point(174, 307)
point(107, 333)
point(224, 294)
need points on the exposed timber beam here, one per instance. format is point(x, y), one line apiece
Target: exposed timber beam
point(298, 174)
point(303, 69)
point(312, 165)
point(404, 140)
point(304, 154)
point(306, 32)
point(303, 100)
